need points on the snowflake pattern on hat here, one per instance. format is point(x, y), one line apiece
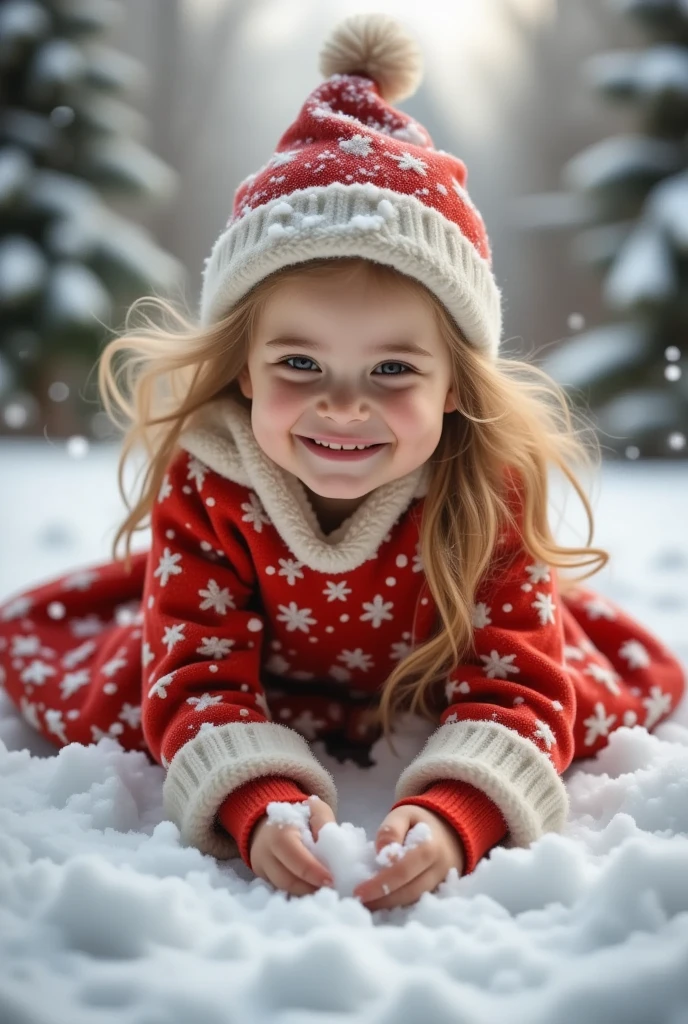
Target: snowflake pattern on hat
point(347, 133)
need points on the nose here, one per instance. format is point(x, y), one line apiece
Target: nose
point(343, 404)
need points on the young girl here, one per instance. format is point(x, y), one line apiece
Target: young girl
point(347, 493)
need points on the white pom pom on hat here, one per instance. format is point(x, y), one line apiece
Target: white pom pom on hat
point(378, 47)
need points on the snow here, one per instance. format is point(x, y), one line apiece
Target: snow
point(104, 916)
point(643, 271)
point(23, 269)
point(599, 352)
point(612, 160)
point(667, 205)
point(648, 74)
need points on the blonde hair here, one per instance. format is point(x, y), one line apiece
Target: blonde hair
point(512, 423)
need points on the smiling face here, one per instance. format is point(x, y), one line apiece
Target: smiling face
point(334, 378)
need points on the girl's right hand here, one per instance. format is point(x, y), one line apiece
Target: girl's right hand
point(279, 856)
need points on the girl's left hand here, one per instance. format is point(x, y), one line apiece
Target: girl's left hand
point(421, 869)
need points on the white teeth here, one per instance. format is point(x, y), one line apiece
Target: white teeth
point(345, 447)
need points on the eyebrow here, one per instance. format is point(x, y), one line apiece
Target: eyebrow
point(404, 347)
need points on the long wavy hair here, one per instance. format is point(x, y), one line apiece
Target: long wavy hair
point(512, 422)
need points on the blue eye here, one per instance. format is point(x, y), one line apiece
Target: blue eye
point(285, 362)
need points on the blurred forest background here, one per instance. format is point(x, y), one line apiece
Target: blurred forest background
point(126, 126)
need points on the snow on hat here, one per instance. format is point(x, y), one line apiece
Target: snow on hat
point(353, 176)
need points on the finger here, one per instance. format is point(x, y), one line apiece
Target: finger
point(393, 829)
point(321, 814)
point(282, 878)
point(407, 894)
point(294, 855)
point(392, 878)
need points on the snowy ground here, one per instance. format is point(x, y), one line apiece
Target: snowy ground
point(105, 917)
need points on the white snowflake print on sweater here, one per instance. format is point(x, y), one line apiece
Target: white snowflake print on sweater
point(635, 654)
point(219, 599)
point(167, 566)
point(498, 664)
point(212, 630)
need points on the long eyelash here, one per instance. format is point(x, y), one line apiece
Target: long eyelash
point(388, 362)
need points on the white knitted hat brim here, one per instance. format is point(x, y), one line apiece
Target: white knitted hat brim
point(356, 220)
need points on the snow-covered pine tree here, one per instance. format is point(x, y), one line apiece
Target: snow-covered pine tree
point(628, 198)
point(72, 161)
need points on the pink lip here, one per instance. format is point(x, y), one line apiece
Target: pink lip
point(341, 440)
point(340, 456)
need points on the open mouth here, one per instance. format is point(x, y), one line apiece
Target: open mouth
point(343, 454)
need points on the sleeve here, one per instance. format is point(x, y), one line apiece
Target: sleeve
point(493, 766)
point(203, 709)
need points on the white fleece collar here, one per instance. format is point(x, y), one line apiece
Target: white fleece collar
point(221, 436)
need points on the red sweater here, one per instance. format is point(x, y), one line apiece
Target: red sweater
point(225, 597)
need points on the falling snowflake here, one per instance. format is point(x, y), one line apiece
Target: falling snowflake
point(545, 608)
point(295, 617)
point(215, 647)
point(291, 569)
point(168, 566)
point(481, 616)
point(498, 664)
point(218, 600)
point(377, 611)
point(636, 655)
point(336, 591)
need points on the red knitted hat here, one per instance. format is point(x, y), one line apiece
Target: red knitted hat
point(353, 176)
